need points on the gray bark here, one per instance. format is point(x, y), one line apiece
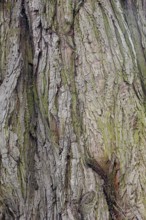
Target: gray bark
point(72, 109)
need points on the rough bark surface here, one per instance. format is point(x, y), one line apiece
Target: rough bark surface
point(72, 109)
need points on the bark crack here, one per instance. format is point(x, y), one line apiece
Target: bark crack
point(110, 176)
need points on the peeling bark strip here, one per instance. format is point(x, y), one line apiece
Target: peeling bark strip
point(72, 75)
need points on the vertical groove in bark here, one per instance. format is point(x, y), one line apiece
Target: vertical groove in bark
point(110, 176)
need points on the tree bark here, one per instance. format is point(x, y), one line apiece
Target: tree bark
point(72, 109)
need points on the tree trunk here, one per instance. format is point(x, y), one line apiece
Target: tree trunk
point(72, 109)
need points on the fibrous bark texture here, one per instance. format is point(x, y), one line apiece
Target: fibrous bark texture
point(72, 109)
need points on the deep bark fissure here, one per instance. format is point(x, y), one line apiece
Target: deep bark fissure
point(110, 185)
point(30, 138)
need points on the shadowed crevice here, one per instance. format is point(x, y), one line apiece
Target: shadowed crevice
point(110, 186)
